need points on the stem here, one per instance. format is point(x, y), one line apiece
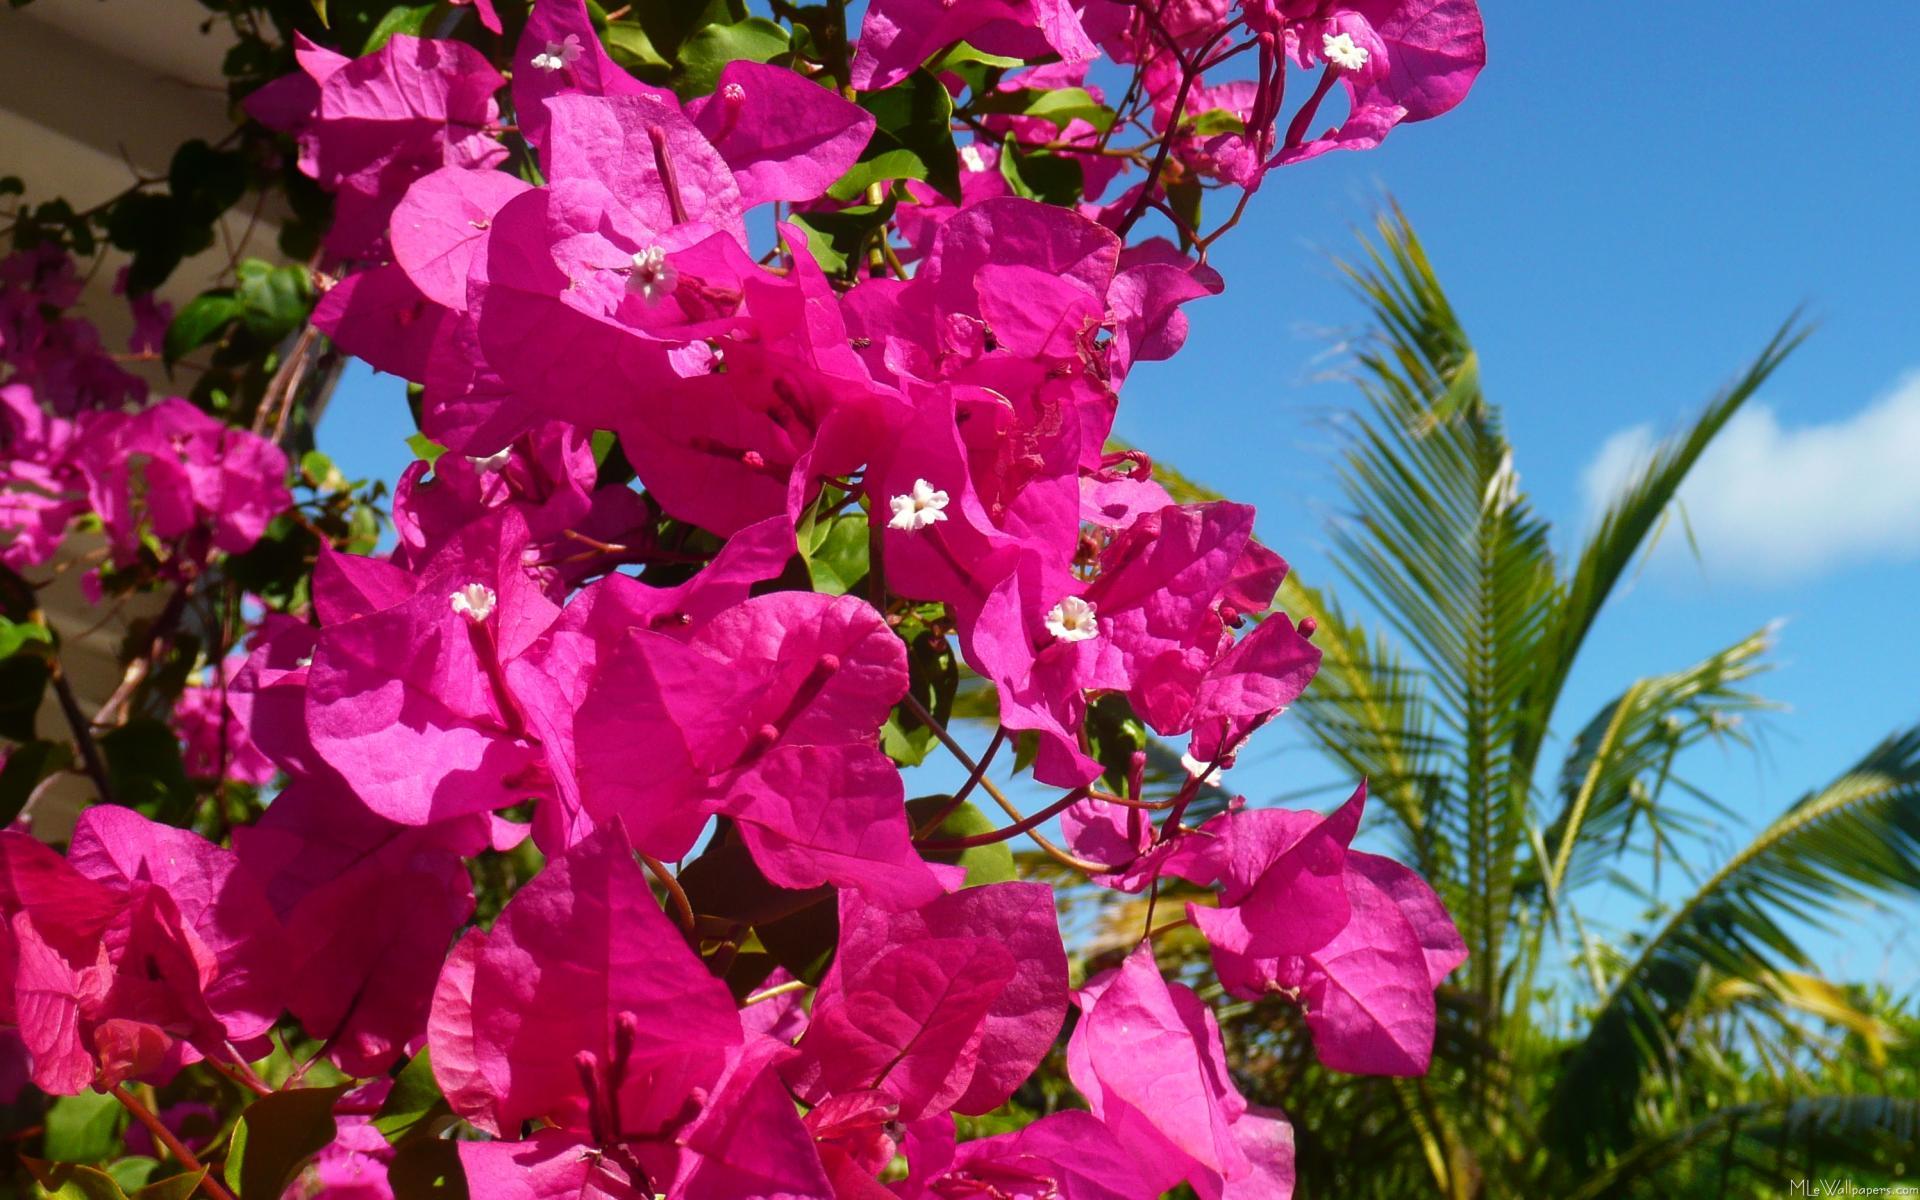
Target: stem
point(960, 797)
point(239, 1074)
point(1086, 866)
point(1011, 831)
point(1189, 75)
point(161, 1134)
point(82, 731)
point(683, 908)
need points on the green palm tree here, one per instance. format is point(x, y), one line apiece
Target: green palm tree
point(1696, 1055)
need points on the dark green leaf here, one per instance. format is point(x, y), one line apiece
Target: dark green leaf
point(1050, 178)
point(725, 882)
point(428, 1169)
point(935, 679)
point(276, 1137)
point(25, 768)
point(144, 769)
point(23, 680)
point(912, 139)
point(205, 182)
point(804, 942)
point(836, 239)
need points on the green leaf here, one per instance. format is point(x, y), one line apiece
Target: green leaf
point(1049, 178)
point(629, 45)
point(992, 863)
point(83, 1128)
point(175, 1187)
point(68, 1181)
point(425, 448)
point(320, 10)
point(409, 19)
point(835, 551)
point(200, 321)
point(934, 679)
point(1061, 106)
point(702, 55)
point(132, 1173)
point(26, 768)
point(15, 635)
point(276, 1137)
point(835, 239)
point(1217, 121)
point(415, 1105)
point(274, 301)
point(912, 139)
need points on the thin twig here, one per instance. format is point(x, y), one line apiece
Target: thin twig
point(682, 906)
point(778, 989)
point(1007, 806)
point(161, 1134)
point(82, 731)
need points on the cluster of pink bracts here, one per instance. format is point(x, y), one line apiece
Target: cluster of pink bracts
point(497, 657)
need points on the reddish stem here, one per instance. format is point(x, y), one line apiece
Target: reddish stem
point(161, 1134)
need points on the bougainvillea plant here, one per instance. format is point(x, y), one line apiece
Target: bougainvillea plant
point(765, 368)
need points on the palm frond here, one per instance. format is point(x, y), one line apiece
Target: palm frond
point(1856, 838)
point(1631, 517)
point(1767, 1142)
point(1623, 758)
point(1440, 540)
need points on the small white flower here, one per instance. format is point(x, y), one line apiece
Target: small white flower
point(733, 93)
point(918, 508)
point(474, 602)
point(1072, 620)
point(972, 159)
point(494, 463)
point(1196, 768)
point(653, 276)
point(559, 54)
point(1340, 50)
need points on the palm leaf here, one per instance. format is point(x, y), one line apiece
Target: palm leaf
point(1630, 518)
point(1775, 1140)
point(1623, 758)
point(1856, 838)
point(1442, 543)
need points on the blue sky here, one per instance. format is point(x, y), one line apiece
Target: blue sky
point(1623, 211)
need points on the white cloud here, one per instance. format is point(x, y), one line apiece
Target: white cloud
point(1772, 504)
